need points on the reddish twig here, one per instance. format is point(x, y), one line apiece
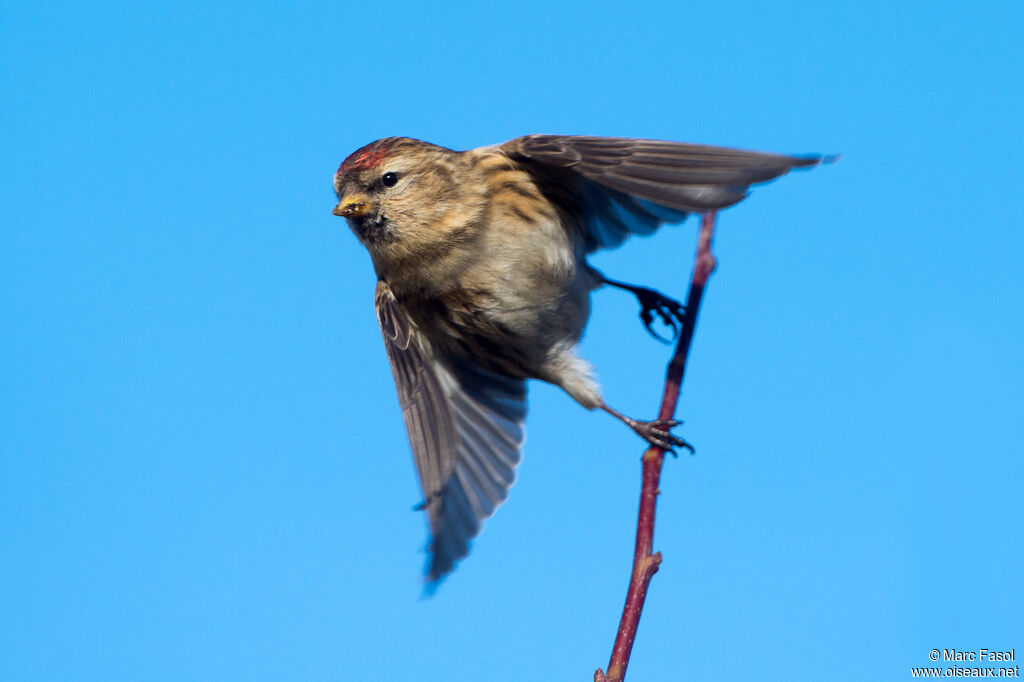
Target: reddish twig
point(645, 564)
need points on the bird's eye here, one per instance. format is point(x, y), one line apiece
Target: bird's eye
point(389, 179)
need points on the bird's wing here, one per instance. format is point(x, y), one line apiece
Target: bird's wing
point(466, 430)
point(633, 186)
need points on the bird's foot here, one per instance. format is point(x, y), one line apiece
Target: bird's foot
point(671, 312)
point(657, 433)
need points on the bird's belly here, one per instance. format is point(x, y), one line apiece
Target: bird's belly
point(510, 326)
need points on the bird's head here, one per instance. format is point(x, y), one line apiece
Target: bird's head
point(402, 197)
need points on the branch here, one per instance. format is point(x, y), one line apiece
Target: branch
point(645, 564)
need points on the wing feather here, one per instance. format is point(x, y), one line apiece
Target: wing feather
point(465, 426)
point(627, 186)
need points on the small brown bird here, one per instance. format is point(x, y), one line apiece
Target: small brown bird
point(483, 283)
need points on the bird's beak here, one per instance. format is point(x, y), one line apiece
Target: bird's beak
point(352, 206)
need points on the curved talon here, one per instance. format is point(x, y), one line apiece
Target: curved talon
point(671, 312)
point(657, 433)
point(668, 442)
point(648, 319)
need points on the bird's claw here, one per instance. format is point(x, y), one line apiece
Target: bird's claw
point(671, 312)
point(657, 433)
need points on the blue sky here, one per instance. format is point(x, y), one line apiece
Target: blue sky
point(203, 470)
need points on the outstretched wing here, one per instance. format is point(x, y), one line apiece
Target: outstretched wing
point(629, 186)
point(466, 430)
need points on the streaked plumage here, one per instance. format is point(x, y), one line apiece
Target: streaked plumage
point(483, 284)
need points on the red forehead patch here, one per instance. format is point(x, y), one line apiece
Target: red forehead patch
point(366, 157)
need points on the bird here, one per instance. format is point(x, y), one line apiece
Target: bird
point(483, 283)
